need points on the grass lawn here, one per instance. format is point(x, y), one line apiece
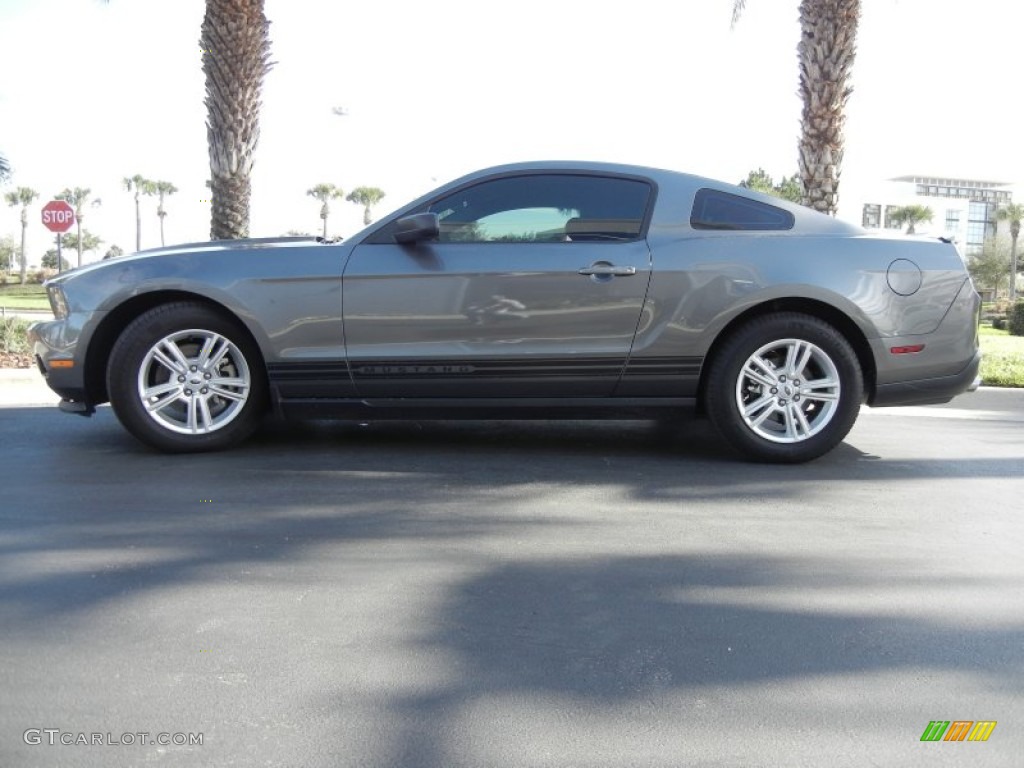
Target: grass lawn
point(29, 296)
point(1002, 358)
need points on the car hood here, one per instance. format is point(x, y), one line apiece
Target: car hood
point(209, 248)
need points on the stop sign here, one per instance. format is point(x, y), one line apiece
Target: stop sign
point(58, 216)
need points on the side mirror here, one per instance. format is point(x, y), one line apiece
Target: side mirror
point(417, 228)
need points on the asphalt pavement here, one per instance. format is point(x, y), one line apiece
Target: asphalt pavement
point(448, 594)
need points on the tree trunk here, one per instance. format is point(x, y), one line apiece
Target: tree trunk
point(24, 261)
point(1013, 265)
point(826, 51)
point(78, 229)
point(138, 223)
point(236, 57)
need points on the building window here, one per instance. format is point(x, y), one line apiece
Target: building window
point(872, 216)
point(980, 222)
point(952, 221)
point(976, 233)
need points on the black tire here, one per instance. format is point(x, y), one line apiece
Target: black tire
point(174, 397)
point(766, 412)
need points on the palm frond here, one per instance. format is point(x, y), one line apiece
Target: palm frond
point(737, 10)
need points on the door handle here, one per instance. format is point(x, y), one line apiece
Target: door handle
point(607, 270)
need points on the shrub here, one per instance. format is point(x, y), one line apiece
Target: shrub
point(999, 323)
point(1016, 319)
point(13, 338)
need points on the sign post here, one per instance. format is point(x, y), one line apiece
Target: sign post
point(59, 217)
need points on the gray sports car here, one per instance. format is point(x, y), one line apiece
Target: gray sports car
point(534, 290)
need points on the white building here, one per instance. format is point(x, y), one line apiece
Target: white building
point(963, 209)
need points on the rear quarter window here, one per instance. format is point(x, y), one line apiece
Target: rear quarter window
point(713, 209)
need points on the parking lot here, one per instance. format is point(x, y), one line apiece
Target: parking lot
point(444, 594)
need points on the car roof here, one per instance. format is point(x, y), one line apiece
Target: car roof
point(807, 220)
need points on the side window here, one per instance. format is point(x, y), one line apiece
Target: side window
point(544, 208)
point(721, 210)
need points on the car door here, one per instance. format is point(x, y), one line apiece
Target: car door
point(533, 288)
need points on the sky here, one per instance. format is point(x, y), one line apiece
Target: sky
point(93, 92)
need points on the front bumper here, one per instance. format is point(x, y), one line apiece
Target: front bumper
point(54, 345)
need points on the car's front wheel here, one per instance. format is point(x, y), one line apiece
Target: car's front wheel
point(182, 377)
point(784, 387)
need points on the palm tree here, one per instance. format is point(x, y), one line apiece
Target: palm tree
point(366, 197)
point(163, 189)
point(83, 242)
point(828, 44)
point(5, 169)
point(1013, 213)
point(24, 197)
point(911, 215)
point(235, 44)
point(323, 193)
point(137, 185)
point(236, 56)
point(77, 197)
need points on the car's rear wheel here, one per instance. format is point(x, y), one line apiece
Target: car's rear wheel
point(784, 387)
point(183, 377)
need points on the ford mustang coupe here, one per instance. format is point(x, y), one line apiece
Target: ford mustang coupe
point(532, 290)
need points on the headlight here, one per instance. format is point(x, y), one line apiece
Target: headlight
point(58, 302)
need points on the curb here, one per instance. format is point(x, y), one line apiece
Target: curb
point(25, 386)
point(26, 314)
point(19, 374)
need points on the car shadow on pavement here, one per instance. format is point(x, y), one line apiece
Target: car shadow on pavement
point(296, 486)
point(563, 644)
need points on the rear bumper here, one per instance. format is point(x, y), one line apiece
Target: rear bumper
point(932, 391)
point(946, 366)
